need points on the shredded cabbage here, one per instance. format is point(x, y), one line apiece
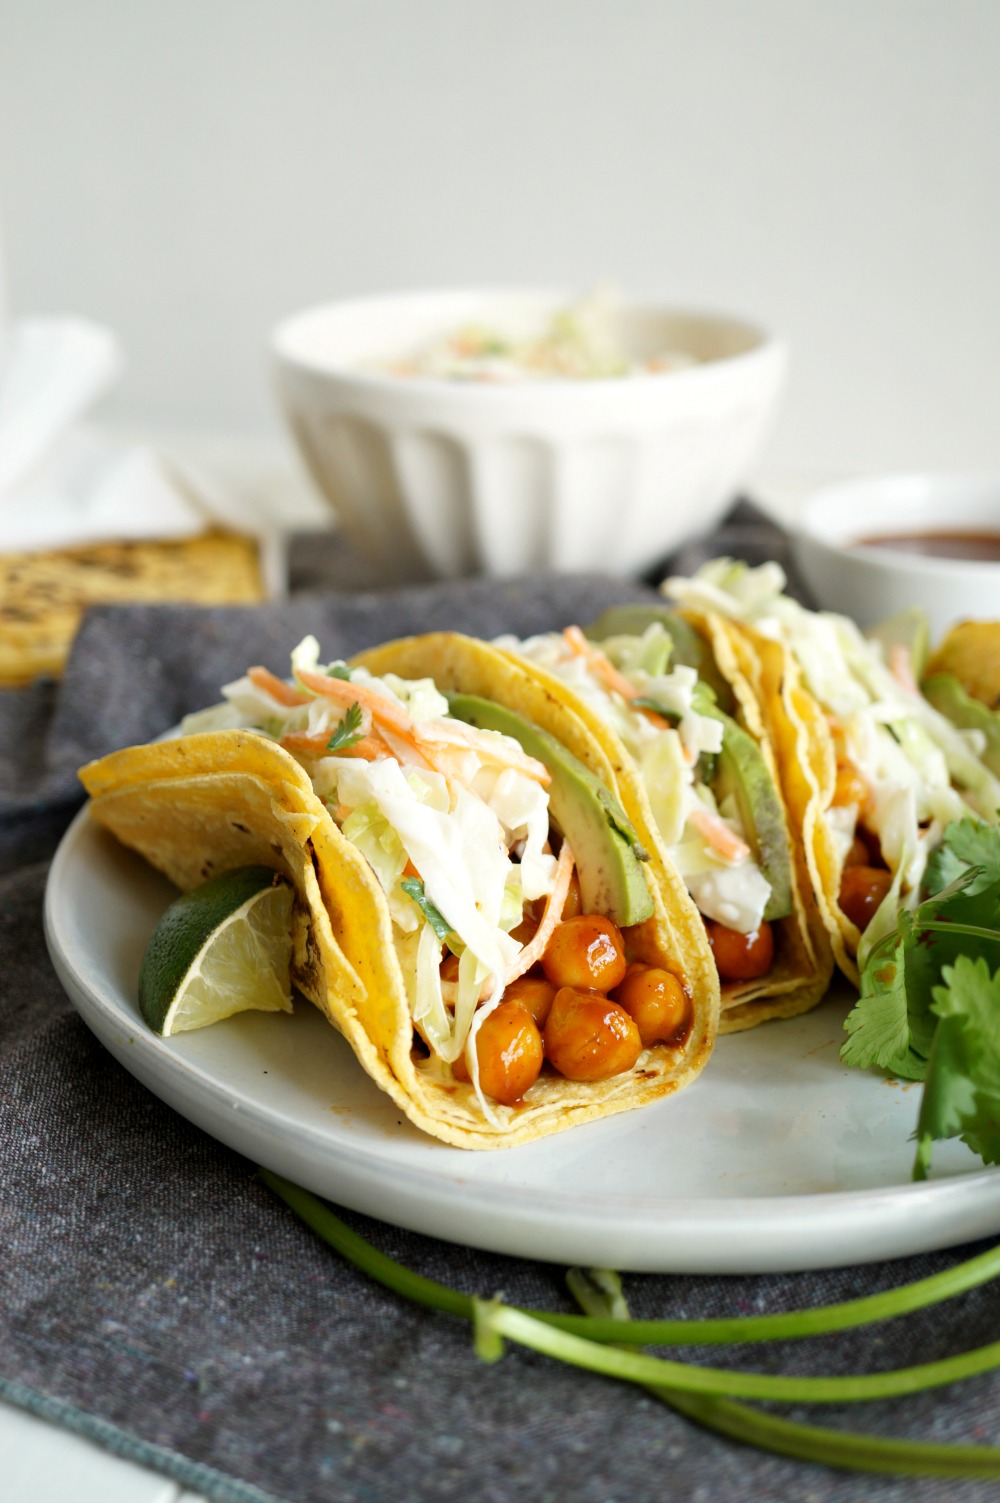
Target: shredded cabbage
point(734, 893)
point(922, 770)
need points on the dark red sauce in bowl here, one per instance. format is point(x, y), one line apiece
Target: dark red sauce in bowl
point(976, 547)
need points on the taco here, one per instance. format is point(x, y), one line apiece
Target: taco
point(872, 773)
point(437, 866)
point(668, 701)
point(962, 680)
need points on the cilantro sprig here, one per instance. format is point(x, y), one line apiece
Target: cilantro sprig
point(929, 1008)
point(349, 732)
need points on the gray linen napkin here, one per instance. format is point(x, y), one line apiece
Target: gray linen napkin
point(154, 1296)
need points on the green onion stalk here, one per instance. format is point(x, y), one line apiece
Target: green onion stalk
point(603, 1340)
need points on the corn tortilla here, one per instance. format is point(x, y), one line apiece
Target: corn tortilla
point(210, 802)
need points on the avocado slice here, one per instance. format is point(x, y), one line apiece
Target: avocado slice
point(742, 771)
point(610, 859)
point(739, 768)
point(955, 702)
point(690, 650)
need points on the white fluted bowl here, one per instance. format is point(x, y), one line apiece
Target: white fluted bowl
point(442, 478)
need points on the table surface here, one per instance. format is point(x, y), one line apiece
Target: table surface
point(36, 1457)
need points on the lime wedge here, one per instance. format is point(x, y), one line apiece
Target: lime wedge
point(223, 948)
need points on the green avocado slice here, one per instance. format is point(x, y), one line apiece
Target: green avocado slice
point(690, 650)
point(742, 771)
point(955, 702)
point(739, 767)
point(610, 859)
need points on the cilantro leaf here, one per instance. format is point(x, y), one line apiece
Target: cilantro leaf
point(414, 888)
point(880, 1029)
point(348, 732)
point(962, 1093)
point(894, 1023)
point(930, 1004)
point(966, 843)
point(933, 948)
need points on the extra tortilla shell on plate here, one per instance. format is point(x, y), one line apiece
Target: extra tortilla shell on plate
point(202, 804)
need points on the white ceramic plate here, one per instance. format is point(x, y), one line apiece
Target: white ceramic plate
point(776, 1158)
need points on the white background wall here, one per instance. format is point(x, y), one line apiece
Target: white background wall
point(188, 172)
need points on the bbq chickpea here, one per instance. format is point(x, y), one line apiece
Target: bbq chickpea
point(656, 1002)
point(534, 993)
point(508, 1051)
point(574, 900)
point(586, 951)
point(741, 957)
point(851, 787)
point(588, 1037)
point(862, 889)
point(858, 855)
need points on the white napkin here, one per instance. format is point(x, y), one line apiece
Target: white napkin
point(64, 483)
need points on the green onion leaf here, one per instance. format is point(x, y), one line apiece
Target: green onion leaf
point(486, 1337)
point(637, 1367)
point(788, 1326)
point(600, 1293)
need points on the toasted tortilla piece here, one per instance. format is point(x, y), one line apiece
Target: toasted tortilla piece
point(43, 595)
point(206, 803)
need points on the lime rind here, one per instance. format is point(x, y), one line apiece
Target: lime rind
point(221, 949)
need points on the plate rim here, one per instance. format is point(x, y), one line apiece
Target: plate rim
point(179, 1075)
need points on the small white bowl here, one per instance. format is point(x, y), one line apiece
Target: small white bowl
point(871, 582)
point(435, 477)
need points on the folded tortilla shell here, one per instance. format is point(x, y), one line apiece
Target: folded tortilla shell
point(807, 767)
point(202, 804)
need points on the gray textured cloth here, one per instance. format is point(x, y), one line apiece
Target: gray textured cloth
point(154, 1295)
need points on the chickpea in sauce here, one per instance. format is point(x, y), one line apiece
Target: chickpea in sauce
point(584, 1011)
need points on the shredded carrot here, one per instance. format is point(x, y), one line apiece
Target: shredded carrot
point(555, 903)
point(718, 834)
point(271, 684)
point(603, 668)
point(371, 748)
point(490, 747)
point(344, 692)
point(409, 754)
point(391, 721)
point(901, 668)
point(305, 746)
